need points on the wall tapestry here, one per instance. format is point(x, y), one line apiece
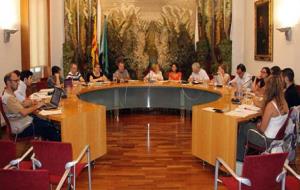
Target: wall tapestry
point(158, 31)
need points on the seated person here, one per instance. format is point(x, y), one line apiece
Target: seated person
point(26, 80)
point(198, 73)
point(21, 123)
point(174, 74)
point(259, 81)
point(155, 74)
point(223, 77)
point(121, 73)
point(55, 80)
point(97, 74)
point(242, 78)
point(275, 70)
point(74, 74)
point(291, 94)
point(275, 113)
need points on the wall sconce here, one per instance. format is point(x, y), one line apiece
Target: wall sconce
point(287, 31)
point(7, 33)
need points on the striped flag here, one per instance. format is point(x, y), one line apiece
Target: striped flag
point(94, 52)
point(99, 22)
point(104, 49)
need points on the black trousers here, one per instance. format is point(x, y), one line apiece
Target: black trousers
point(42, 128)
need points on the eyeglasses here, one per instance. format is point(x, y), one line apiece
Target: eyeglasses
point(263, 71)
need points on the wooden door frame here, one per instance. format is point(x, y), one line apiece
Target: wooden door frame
point(25, 36)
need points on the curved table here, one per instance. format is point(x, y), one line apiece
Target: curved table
point(83, 120)
point(148, 96)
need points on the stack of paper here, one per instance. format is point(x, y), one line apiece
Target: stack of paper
point(46, 90)
point(50, 112)
point(249, 107)
point(244, 111)
point(39, 96)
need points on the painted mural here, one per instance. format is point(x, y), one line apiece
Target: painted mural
point(144, 32)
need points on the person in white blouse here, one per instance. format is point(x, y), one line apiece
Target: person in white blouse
point(242, 78)
point(198, 74)
point(223, 77)
point(155, 74)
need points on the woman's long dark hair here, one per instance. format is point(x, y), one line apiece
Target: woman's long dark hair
point(177, 67)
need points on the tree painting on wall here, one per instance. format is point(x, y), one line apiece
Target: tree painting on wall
point(263, 30)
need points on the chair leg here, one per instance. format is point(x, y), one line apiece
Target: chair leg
point(74, 177)
point(216, 175)
point(69, 181)
point(16, 137)
point(283, 183)
point(89, 168)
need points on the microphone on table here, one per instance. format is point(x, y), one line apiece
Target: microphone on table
point(243, 85)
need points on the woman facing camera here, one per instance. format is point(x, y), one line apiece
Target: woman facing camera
point(275, 113)
point(154, 74)
point(223, 77)
point(259, 81)
point(198, 73)
point(174, 74)
point(97, 74)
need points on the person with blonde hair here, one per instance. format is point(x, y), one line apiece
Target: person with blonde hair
point(275, 113)
point(198, 73)
point(155, 74)
point(223, 77)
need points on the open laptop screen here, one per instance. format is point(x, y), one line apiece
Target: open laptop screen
point(56, 96)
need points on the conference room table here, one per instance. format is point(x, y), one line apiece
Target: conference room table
point(83, 117)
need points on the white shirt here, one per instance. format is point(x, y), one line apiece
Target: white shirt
point(154, 76)
point(200, 76)
point(242, 82)
point(21, 91)
point(11, 107)
point(276, 123)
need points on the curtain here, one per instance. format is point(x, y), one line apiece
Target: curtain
point(38, 32)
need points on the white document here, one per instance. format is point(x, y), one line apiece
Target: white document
point(209, 109)
point(50, 112)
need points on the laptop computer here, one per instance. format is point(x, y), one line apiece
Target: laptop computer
point(55, 99)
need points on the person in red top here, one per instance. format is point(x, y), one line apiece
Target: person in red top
point(174, 74)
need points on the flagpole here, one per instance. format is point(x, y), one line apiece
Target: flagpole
point(78, 32)
point(213, 32)
point(196, 27)
point(78, 26)
point(99, 22)
point(90, 21)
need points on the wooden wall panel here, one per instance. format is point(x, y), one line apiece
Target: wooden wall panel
point(25, 37)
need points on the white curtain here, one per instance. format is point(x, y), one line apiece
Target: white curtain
point(38, 32)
